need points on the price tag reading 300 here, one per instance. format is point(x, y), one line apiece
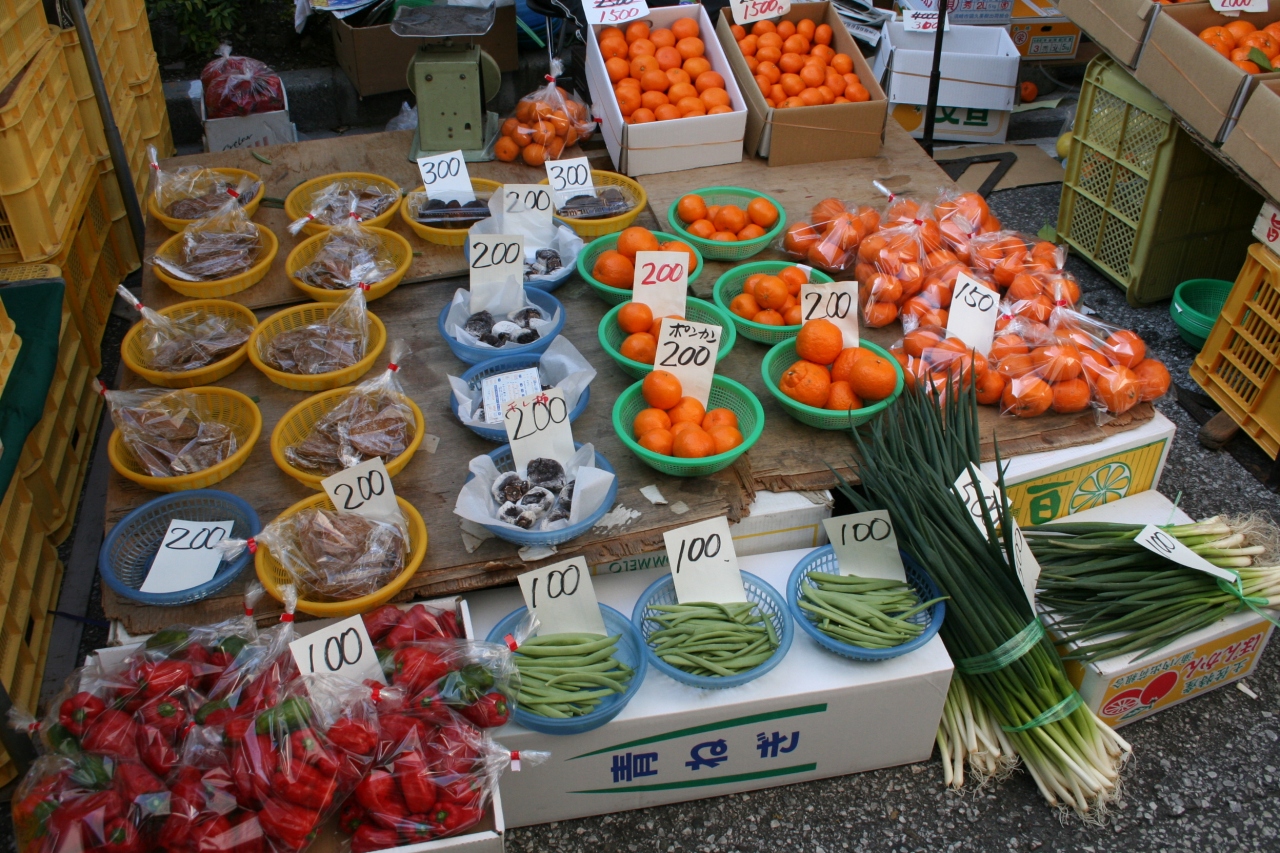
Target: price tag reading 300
point(538, 427)
point(563, 599)
point(569, 179)
point(836, 301)
point(749, 11)
point(444, 177)
point(704, 566)
point(688, 350)
point(661, 282)
point(614, 12)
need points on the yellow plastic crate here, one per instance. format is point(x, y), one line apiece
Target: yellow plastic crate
point(136, 150)
point(163, 141)
point(37, 446)
point(82, 442)
point(136, 50)
point(149, 97)
point(23, 30)
point(121, 254)
point(33, 117)
point(15, 516)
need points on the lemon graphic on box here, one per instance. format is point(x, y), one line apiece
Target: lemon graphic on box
point(1108, 483)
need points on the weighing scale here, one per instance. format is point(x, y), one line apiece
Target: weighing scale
point(452, 81)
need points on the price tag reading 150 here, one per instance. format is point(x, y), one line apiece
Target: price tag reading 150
point(704, 566)
point(836, 301)
point(444, 177)
point(974, 309)
point(688, 350)
point(748, 11)
point(343, 648)
point(614, 12)
point(563, 599)
point(538, 427)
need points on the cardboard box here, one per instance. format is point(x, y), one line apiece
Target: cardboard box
point(960, 124)
point(1267, 226)
point(779, 521)
point(1041, 31)
point(252, 131)
point(1126, 689)
point(968, 12)
point(810, 134)
point(814, 716)
point(1045, 486)
point(376, 59)
point(678, 144)
point(1119, 27)
point(1252, 142)
point(1199, 84)
point(979, 67)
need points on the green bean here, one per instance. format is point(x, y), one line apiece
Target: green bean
point(567, 675)
point(870, 612)
point(711, 639)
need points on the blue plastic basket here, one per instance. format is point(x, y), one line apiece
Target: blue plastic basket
point(506, 364)
point(546, 285)
point(824, 560)
point(502, 458)
point(474, 355)
point(630, 651)
point(771, 603)
point(131, 546)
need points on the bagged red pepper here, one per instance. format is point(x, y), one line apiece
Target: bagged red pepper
point(389, 626)
point(439, 677)
point(239, 86)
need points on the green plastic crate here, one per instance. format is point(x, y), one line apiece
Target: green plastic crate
point(1141, 201)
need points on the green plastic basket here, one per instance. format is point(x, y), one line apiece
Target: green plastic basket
point(1196, 306)
point(730, 284)
point(783, 355)
point(698, 310)
point(725, 394)
point(617, 295)
point(715, 249)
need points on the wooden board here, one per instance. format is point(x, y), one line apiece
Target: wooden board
point(383, 154)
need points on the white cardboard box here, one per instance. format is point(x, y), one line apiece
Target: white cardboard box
point(779, 521)
point(678, 144)
point(959, 124)
point(985, 12)
point(979, 67)
point(814, 716)
point(251, 131)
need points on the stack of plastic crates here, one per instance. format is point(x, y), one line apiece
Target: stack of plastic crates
point(1240, 360)
point(23, 31)
point(1140, 200)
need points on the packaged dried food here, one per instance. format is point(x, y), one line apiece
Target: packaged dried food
point(332, 205)
point(600, 203)
point(374, 419)
point(454, 214)
point(334, 343)
point(350, 255)
point(550, 248)
point(521, 322)
point(560, 366)
point(219, 246)
point(194, 192)
point(239, 86)
point(165, 433)
point(177, 344)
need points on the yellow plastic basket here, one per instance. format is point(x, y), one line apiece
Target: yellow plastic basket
point(218, 404)
point(235, 175)
point(224, 286)
point(131, 346)
point(296, 425)
point(298, 203)
point(273, 575)
point(592, 228)
point(444, 236)
point(305, 315)
point(302, 254)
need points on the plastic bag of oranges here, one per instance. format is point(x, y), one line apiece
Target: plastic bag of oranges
point(961, 217)
point(931, 357)
point(1114, 360)
point(895, 264)
point(1005, 254)
point(830, 239)
point(1035, 294)
point(1041, 370)
point(547, 121)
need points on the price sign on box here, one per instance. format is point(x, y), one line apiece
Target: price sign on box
point(661, 282)
point(688, 350)
point(570, 178)
point(1024, 561)
point(614, 12)
point(188, 556)
point(974, 309)
point(1166, 545)
point(704, 566)
point(526, 207)
point(866, 546)
point(749, 11)
point(538, 428)
point(444, 177)
point(836, 301)
point(915, 21)
point(563, 599)
point(494, 259)
point(364, 489)
point(1235, 7)
point(343, 648)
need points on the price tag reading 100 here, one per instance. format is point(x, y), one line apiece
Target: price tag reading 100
point(562, 598)
point(704, 565)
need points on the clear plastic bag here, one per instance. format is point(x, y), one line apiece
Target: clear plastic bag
point(165, 434)
point(1043, 371)
point(350, 256)
point(1114, 360)
point(239, 86)
point(334, 343)
point(219, 246)
point(254, 679)
point(547, 121)
point(332, 205)
point(178, 344)
point(1006, 254)
point(389, 626)
point(830, 240)
point(194, 192)
point(897, 255)
point(599, 203)
point(931, 357)
point(477, 680)
point(453, 214)
point(961, 217)
point(375, 419)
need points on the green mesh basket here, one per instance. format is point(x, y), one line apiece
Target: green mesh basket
point(730, 284)
point(715, 249)
point(617, 295)
point(612, 336)
point(1196, 306)
point(784, 355)
point(725, 394)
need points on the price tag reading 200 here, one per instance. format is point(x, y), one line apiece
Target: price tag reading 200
point(661, 282)
point(562, 598)
point(526, 207)
point(538, 427)
point(748, 11)
point(494, 258)
point(364, 489)
point(688, 350)
point(836, 301)
point(614, 12)
point(704, 565)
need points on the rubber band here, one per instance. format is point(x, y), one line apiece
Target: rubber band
point(1253, 602)
point(1058, 712)
point(511, 642)
point(1006, 653)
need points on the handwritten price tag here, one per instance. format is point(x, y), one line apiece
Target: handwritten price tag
point(364, 489)
point(661, 282)
point(1267, 226)
point(865, 545)
point(563, 599)
point(974, 309)
point(915, 21)
point(570, 178)
point(538, 427)
point(1235, 7)
point(444, 176)
point(1024, 561)
point(1157, 541)
point(343, 648)
point(689, 350)
point(614, 12)
point(494, 259)
point(526, 208)
point(748, 11)
point(836, 301)
point(704, 566)
point(188, 555)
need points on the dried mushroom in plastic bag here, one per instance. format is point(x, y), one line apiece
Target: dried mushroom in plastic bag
point(331, 205)
point(220, 246)
point(166, 434)
point(335, 343)
point(350, 255)
point(186, 342)
point(194, 192)
point(439, 213)
point(337, 555)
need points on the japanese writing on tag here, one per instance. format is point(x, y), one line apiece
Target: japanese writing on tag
point(1024, 561)
point(865, 545)
point(704, 566)
point(1167, 545)
point(188, 556)
point(364, 489)
point(343, 648)
point(444, 177)
point(569, 178)
point(749, 11)
point(614, 12)
point(562, 598)
point(974, 309)
point(836, 301)
point(688, 350)
point(661, 282)
point(538, 428)
point(497, 391)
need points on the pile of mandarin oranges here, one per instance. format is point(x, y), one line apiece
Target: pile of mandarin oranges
point(1238, 39)
point(661, 74)
point(829, 375)
point(617, 267)
point(642, 328)
point(795, 65)
point(726, 222)
point(676, 425)
point(771, 300)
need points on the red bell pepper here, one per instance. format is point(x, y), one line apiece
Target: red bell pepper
point(187, 793)
point(112, 733)
point(212, 835)
point(161, 678)
point(489, 711)
point(165, 713)
point(369, 838)
point(305, 745)
point(380, 797)
point(79, 711)
point(253, 763)
point(95, 810)
point(397, 730)
point(454, 817)
point(292, 826)
point(454, 749)
point(141, 788)
point(120, 836)
point(304, 785)
point(155, 750)
point(417, 624)
point(355, 736)
point(462, 790)
point(32, 812)
point(379, 622)
point(175, 833)
point(417, 668)
point(410, 772)
point(247, 836)
point(351, 817)
point(430, 707)
point(235, 729)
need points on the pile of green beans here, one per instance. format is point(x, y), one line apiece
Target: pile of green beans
point(713, 640)
point(568, 675)
point(865, 612)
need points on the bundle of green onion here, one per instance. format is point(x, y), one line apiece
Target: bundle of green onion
point(712, 640)
point(568, 675)
point(908, 465)
point(1110, 596)
point(968, 732)
point(867, 612)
